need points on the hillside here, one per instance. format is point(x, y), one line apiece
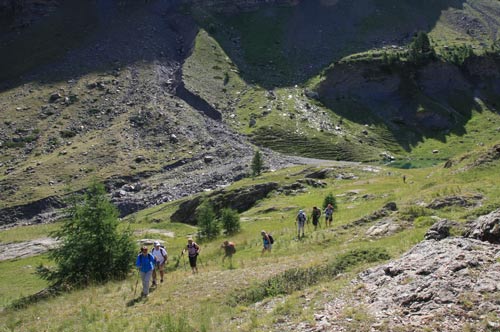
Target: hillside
point(166, 102)
point(320, 282)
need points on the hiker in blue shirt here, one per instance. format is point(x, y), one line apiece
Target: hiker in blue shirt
point(145, 263)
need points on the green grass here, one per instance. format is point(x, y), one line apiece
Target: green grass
point(26, 233)
point(19, 278)
point(280, 280)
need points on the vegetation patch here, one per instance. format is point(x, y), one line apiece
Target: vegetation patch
point(300, 278)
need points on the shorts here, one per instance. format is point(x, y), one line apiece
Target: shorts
point(268, 246)
point(192, 260)
point(315, 222)
point(329, 218)
point(160, 267)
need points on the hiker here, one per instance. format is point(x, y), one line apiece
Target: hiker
point(301, 221)
point(229, 250)
point(316, 213)
point(193, 250)
point(145, 263)
point(268, 244)
point(161, 256)
point(328, 215)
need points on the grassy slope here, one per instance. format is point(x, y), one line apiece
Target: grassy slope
point(202, 301)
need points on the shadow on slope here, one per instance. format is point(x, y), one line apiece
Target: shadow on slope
point(286, 45)
point(80, 37)
point(413, 102)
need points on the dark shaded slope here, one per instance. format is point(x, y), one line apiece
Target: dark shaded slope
point(285, 45)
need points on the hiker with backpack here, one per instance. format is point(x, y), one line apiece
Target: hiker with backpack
point(316, 213)
point(268, 241)
point(193, 250)
point(301, 222)
point(328, 215)
point(145, 262)
point(229, 250)
point(161, 256)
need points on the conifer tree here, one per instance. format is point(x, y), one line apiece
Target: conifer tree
point(93, 249)
point(257, 163)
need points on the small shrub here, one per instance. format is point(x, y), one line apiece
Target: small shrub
point(230, 221)
point(330, 199)
point(208, 225)
point(67, 133)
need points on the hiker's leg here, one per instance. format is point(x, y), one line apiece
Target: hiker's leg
point(162, 271)
point(146, 277)
point(154, 274)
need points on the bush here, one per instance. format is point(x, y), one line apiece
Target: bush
point(92, 248)
point(230, 221)
point(330, 199)
point(208, 225)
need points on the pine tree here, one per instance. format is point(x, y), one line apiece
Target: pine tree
point(420, 48)
point(93, 249)
point(257, 163)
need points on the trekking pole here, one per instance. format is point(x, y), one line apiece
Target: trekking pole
point(184, 260)
point(136, 283)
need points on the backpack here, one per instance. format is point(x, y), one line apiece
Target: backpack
point(270, 238)
point(149, 256)
point(193, 249)
point(232, 248)
point(302, 217)
point(161, 247)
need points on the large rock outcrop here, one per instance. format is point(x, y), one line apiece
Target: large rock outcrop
point(239, 200)
point(441, 284)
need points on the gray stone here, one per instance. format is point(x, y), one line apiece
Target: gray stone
point(485, 228)
point(440, 230)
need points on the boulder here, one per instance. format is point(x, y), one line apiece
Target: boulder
point(440, 230)
point(463, 201)
point(485, 228)
point(313, 183)
point(385, 211)
point(54, 97)
point(321, 174)
point(385, 227)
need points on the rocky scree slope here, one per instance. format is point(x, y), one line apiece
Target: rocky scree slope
point(130, 123)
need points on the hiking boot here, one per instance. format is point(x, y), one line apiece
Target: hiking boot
point(154, 282)
point(161, 281)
